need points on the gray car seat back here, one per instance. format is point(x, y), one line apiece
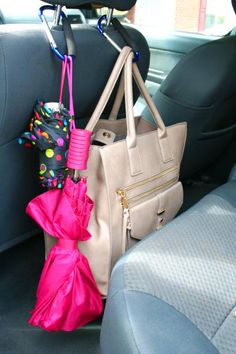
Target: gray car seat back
point(201, 90)
point(29, 70)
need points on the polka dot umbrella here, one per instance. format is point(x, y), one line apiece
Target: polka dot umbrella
point(49, 132)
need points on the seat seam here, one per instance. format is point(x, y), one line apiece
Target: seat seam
point(130, 326)
point(222, 322)
point(144, 292)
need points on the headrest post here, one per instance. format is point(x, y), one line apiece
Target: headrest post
point(234, 5)
point(57, 15)
point(109, 16)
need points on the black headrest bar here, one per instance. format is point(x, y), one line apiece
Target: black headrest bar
point(122, 5)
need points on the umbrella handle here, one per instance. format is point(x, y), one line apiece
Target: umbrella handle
point(79, 138)
point(78, 149)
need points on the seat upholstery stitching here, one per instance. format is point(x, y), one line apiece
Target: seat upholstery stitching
point(146, 293)
point(223, 321)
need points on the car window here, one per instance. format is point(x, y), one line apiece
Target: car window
point(208, 17)
point(19, 11)
point(26, 11)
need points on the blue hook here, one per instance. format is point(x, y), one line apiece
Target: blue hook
point(104, 34)
point(51, 40)
point(100, 30)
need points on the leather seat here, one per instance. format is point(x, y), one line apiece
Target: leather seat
point(201, 90)
point(175, 291)
point(28, 70)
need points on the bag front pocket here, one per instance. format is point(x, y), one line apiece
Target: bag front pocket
point(152, 214)
point(150, 210)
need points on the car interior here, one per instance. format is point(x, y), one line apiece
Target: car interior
point(174, 292)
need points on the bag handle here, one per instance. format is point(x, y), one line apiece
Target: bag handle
point(133, 152)
point(142, 88)
point(110, 85)
point(108, 88)
point(118, 99)
point(144, 92)
point(125, 60)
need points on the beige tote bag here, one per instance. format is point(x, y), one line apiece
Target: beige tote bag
point(133, 179)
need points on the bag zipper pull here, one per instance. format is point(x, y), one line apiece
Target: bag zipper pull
point(126, 229)
point(127, 218)
point(123, 199)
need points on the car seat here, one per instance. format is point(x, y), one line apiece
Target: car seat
point(174, 292)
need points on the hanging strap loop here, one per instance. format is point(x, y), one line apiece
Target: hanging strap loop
point(63, 73)
point(67, 68)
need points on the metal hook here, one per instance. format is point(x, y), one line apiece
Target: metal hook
point(116, 46)
point(100, 29)
point(51, 40)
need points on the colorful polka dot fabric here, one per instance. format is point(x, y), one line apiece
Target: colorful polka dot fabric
point(49, 131)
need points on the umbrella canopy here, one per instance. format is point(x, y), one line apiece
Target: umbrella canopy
point(49, 132)
point(67, 295)
point(63, 213)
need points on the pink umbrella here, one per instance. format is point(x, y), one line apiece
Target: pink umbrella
point(67, 295)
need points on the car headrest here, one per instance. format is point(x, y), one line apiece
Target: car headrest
point(234, 5)
point(121, 5)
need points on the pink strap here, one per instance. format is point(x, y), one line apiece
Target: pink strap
point(63, 72)
point(67, 66)
point(70, 85)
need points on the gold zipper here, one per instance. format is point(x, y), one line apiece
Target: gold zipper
point(146, 194)
point(150, 179)
point(122, 191)
point(125, 201)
